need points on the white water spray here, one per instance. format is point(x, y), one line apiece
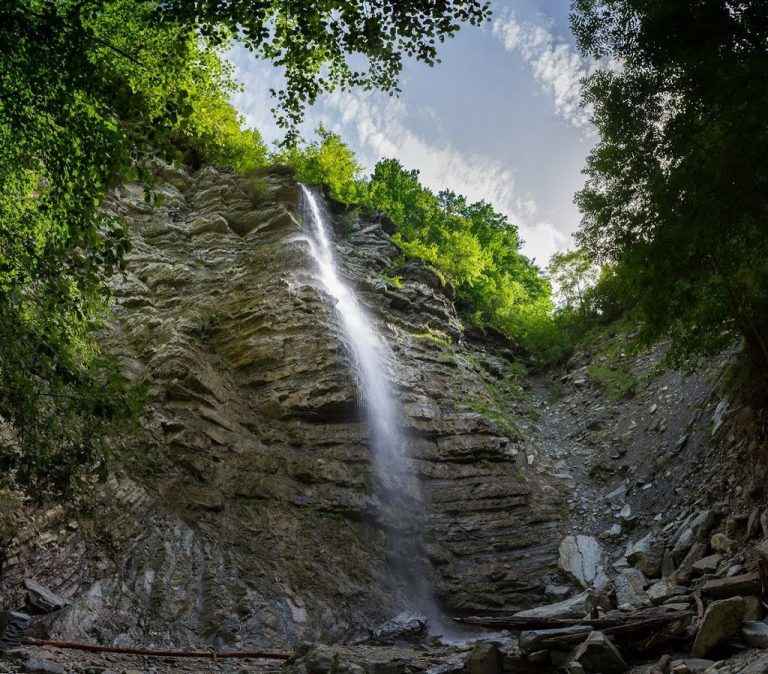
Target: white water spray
point(396, 486)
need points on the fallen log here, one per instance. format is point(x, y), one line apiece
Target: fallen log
point(605, 623)
point(156, 652)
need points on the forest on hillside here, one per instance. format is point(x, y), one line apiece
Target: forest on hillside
point(94, 93)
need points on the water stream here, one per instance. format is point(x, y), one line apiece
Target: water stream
point(396, 487)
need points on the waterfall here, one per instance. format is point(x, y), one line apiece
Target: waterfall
point(396, 487)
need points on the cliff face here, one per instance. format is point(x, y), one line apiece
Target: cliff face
point(245, 510)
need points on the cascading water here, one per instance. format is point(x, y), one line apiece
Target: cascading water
point(396, 486)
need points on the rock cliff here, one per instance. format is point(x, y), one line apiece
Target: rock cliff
point(242, 510)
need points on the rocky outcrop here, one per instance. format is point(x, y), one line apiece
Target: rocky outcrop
point(244, 512)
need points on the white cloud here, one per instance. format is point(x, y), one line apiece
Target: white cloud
point(380, 126)
point(555, 64)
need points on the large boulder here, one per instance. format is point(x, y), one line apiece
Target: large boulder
point(630, 589)
point(408, 625)
point(581, 558)
point(721, 622)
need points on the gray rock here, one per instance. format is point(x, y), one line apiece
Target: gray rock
point(557, 593)
point(667, 563)
point(755, 634)
point(630, 589)
point(536, 640)
point(708, 564)
point(42, 599)
point(721, 622)
point(663, 590)
point(598, 654)
point(43, 666)
point(580, 558)
point(695, 526)
point(485, 658)
point(13, 625)
point(645, 555)
point(408, 625)
point(574, 607)
point(721, 543)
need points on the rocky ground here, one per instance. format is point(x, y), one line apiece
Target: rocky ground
point(242, 513)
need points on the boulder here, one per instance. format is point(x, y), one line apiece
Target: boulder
point(721, 622)
point(485, 658)
point(451, 665)
point(695, 526)
point(707, 564)
point(630, 589)
point(42, 666)
point(743, 584)
point(663, 590)
point(408, 625)
point(645, 555)
point(580, 558)
point(41, 599)
point(721, 543)
point(598, 654)
point(755, 634)
point(13, 625)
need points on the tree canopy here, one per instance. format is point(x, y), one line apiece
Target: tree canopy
point(676, 197)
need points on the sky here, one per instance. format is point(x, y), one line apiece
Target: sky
point(498, 119)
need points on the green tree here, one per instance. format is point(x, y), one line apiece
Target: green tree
point(677, 192)
point(573, 274)
point(327, 161)
point(473, 247)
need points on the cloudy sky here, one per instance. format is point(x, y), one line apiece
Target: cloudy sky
point(499, 119)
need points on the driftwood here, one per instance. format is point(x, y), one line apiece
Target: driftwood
point(210, 655)
point(608, 624)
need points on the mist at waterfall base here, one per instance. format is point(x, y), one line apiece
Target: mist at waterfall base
point(396, 487)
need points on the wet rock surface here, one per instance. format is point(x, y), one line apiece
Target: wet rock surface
point(244, 514)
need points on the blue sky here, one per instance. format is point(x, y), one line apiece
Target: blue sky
point(499, 119)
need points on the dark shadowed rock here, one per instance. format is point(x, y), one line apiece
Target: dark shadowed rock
point(41, 599)
point(722, 620)
point(13, 625)
point(485, 658)
point(598, 654)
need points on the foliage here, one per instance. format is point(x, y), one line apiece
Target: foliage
point(474, 248)
point(327, 161)
point(573, 274)
point(89, 92)
point(676, 193)
point(313, 40)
